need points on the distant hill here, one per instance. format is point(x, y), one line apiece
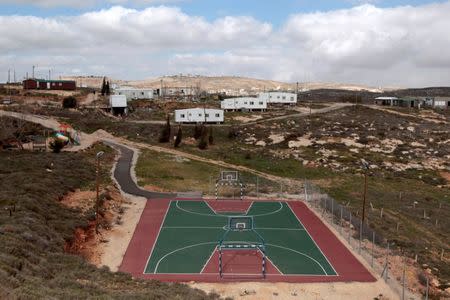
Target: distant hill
point(221, 84)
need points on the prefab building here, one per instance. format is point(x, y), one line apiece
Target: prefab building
point(441, 102)
point(134, 93)
point(118, 104)
point(386, 101)
point(199, 115)
point(279, 98)
point(244, 103)
point(43, 84)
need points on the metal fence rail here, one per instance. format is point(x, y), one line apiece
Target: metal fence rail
point(361, 238)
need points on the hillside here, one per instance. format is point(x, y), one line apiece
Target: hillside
point(223, 83)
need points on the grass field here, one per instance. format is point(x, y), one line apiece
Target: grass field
point(191, 231)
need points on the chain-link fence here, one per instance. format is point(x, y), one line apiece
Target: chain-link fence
point(370, 245)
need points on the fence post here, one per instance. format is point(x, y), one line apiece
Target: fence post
point(403, 280)
point(360, 235)
point(387, 264)
point(350, 230)
point(257, 187)
point(373, 246)
point(306, 192)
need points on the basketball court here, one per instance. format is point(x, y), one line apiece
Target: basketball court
point(237, 240)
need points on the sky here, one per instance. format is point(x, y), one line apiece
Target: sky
point(375, 43)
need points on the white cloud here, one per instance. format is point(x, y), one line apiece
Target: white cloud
point(86, 3)
point(365, 44)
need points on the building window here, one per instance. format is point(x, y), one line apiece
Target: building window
point(292, 98)
point(182, 116)
point(217, 115)
point(261, 103)
point(252, 103)
point(199, 115)
point(142, 93)
point(284, 97)
point(278, 97)
point(190, 114)
point(207, 115)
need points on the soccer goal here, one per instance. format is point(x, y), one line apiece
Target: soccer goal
point(242, 250)
point(229, 182)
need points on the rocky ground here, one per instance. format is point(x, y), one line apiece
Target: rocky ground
point(338, 140)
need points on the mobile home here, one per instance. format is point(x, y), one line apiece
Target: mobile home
point(244, 103)
point(279, 98)
point(199, 115)
point(134, 93)
point(118, 104)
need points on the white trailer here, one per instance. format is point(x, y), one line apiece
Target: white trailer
point(279, 98)
point(244, 103)
point(199, 115)
point(118, 104)
point(134, 93)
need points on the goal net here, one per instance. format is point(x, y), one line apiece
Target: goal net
point(242, 250)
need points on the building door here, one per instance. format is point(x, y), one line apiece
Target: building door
point(48, 85)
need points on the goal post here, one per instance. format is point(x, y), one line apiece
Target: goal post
point(229, 179)
point(245, 239)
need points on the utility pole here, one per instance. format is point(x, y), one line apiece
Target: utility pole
point(9, 76)
point(97, 183)
point(33, 72)
point(15, 75)
point(366, 169)
point(49, 75)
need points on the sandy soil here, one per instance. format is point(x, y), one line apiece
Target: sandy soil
point(313, 291)
point(245, 119)
point(116, 240)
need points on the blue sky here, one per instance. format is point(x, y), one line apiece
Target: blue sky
point(376, 43)
point(274, 12)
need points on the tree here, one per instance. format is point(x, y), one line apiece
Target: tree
point(69, 102)
point(203, 143)
point(165, 133)
point(211, 138)
point(104, 86)
point(107, 88)
point(197, 132)
point(178, 138)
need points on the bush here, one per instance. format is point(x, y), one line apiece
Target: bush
point(211, 137)
point(165, 133)
point(69, 102)
point(198, 131)
point(178, 138)
point(203, 144)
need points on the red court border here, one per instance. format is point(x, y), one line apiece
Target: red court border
point(348, 267)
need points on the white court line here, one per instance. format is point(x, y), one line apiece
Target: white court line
point(156, 240)
point(312, 239)
point(279, 271)
point(219, 215)
point(298, 252)
point(248, 209)
point(207, 262)
point(223, 227)
point(179, 249)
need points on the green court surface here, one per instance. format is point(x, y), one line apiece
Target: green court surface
point(191, 230)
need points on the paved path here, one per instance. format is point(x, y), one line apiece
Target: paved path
point(123, 173)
